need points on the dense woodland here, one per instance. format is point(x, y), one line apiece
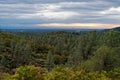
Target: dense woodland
point(60, 55)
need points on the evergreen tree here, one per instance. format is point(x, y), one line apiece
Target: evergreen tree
point(50, 62)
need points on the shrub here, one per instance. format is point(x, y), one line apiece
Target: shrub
point(58, 73)
point(27, 73)
point(63, 73)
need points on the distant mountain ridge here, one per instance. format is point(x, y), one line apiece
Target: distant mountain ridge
point(59, 30)
point(117, 28)
point(50, 30)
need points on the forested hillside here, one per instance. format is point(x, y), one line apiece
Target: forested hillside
point(60, 55)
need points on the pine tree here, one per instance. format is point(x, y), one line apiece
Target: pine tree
point(50, 62)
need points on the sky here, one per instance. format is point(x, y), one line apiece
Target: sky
point(32, 14)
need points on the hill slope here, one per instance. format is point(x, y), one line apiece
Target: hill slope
point(117, 29)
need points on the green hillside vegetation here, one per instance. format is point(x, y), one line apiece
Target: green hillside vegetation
point(60, 56)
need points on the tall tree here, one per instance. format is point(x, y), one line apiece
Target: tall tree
point(50, 62)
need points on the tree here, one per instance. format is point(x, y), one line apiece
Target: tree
point(20, 52)
point(87, 44)
point(50, 62)
point(75, 59)
point(105, 58)
point(112, 38)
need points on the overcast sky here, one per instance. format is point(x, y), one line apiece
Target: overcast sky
point(59, 13)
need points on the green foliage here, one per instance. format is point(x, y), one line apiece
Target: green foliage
point(27, 73)
point(58, 73)
point(5, 76)
point(50, 62)
point(104, 59)
point(114, 74)
point(62, 73)
point(83, 55)
point(112, 38)
point(82, 75)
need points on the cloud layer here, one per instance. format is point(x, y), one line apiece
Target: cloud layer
point(33, 12)
point(78, 25)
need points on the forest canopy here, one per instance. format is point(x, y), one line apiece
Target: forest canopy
point(60, 55)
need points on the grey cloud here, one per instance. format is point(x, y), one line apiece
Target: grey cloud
point(41, 1)
point(57, 11)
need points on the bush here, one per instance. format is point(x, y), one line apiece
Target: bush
point(62, 73)
point(58, 73)
point(5, 76)
point(27, 73)
point(82, 75)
